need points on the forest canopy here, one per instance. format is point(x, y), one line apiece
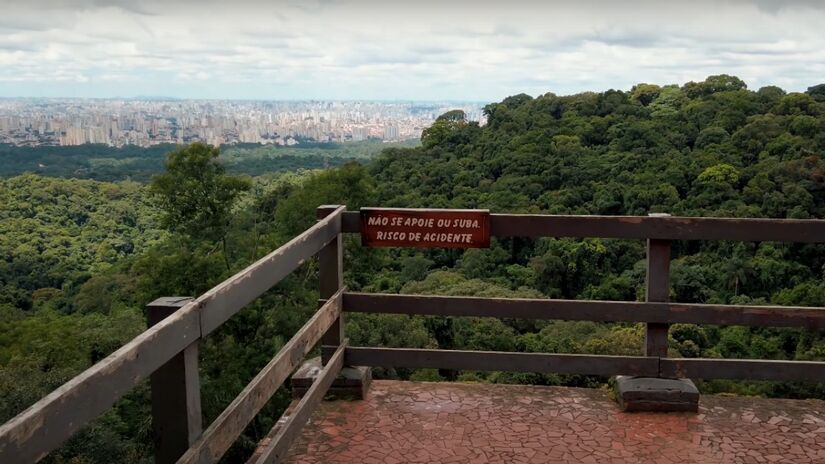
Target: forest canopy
point(81, 258)
point(101, 162)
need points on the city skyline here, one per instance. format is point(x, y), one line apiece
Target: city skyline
point(336, 50)
point(120, 122)
point(267, 100)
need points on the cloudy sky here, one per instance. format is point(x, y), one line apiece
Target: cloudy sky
point(422, 50)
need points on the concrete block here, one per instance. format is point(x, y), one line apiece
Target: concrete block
point(352, 383)
point(656, 394)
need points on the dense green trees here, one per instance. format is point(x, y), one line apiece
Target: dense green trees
point(80, 258)
point(101, 162)
point(196, 196)
point(710, 148)
point(57, 232)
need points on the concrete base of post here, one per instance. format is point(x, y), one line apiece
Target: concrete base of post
point(352, 383)
point(655, 394)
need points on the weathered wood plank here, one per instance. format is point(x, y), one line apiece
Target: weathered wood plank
point(700, 368)
point(331, 279)
point(642, 227)
point(663, 228)
point(220, 435)
point(657, 290)
point(46, 424)
point(265, 441)
point(502, 361)
point(351, 222)
point(32, 434)
point(586, 310)
point(226, 299)
point(279, 446)
point(811, 318)
point(175, 391)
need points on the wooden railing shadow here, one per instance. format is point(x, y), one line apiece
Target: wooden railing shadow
point(167, 351)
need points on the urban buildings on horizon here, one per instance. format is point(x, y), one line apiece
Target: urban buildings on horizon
point(146, 122)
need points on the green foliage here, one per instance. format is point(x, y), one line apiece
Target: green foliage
point(349, 185)
point(719, 175)
point(449, 130)
point(388, 330)
point(645, 94)
point(41, 350)
point(56, 327)
point(81, 258)
point(57, 232)
point(195, 194)
point(817, 92)
point(415, 268)
point(102, 292)
point(713, 84)
point(710, 148)
point(100, 162)
point(426, 375)
point(712, 135)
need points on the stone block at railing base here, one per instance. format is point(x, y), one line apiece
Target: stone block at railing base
point(352, 383)
point(655, 394)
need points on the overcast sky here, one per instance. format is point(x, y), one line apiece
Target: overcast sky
point(422, 50)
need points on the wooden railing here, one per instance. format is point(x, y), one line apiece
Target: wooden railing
point(658, 231)
point(167, 351)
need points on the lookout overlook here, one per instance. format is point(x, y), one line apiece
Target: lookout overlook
point(399, 232)
point(659, 416)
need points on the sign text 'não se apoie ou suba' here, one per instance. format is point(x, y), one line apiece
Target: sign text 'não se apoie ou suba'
point(425, 228)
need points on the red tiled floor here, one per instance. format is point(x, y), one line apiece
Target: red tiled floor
point(410, 422)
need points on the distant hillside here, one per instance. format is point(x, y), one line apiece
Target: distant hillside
point(707, 148)
point(101, 162)
point(712, 148)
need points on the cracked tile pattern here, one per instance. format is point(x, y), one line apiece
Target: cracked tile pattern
point(412, 422)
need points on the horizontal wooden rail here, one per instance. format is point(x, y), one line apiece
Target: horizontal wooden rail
point(233, 420)
point(503, 361)
point(279, 446)
point(587, 364)
point(645, 227)
point(745, 369)
point(223, 301)
point(586, 310)
point(46, 424)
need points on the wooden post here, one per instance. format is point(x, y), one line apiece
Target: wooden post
point(176, 396)
point(657, 393)
point(331, 276)
point(658, 290)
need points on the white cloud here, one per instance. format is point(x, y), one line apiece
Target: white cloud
point(481, 50)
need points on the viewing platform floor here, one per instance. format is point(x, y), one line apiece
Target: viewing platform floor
point(423, 422)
